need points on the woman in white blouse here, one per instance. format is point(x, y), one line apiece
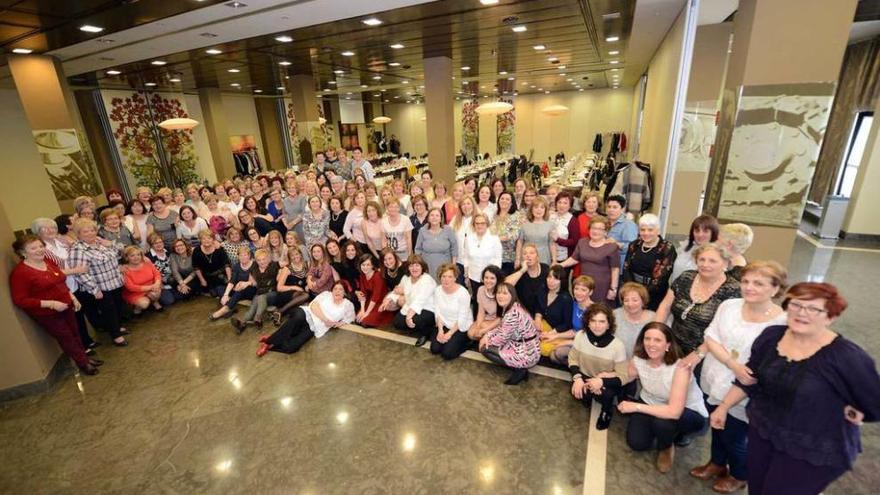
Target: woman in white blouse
point(486, 202)
point(737, 323)
point(328, 310)
point(452, 314)
point(481, 249)
point(415, 296)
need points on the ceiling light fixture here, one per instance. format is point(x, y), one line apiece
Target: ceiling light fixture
point(382, 119)
point(539, 47)
point(364, 86)
point(511, 78)
point(150, 84)
point(235, 5)
point(283, 39)
point(405, 81)
point(326, 89)
point(614, 52)
point(285, 63)
point(494, 108)
point(612, 39)
point(372, 21)
point(213, 51)
point(178, 124)
point(331, 82)
point(113, 72)
point(234, 71)
point(280, 88)
point(90, 29)
point(394, 64)
point(562, 74)
point(347, 53)
point(614, 62)
point(397, 46)
point(339, 71)
point(235, 85)
point(561, 67)
point(21, 51)
point(174, 79)
point(519, 29)
point(553, 59)
point(502, 73)
point(377, 78)
point(158, 62)
point(554, 110)
point(465, 68)
point(258, 91)
point(488, 2)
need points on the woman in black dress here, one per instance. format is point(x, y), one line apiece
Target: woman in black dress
point(649, 260)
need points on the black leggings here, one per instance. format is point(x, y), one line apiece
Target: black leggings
point(606, 398)
point(286, 302)
point(293, 334)
point(424, 323)
point(643, 429)
point(104, 313)
point(453, 347)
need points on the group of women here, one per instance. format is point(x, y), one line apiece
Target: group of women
point(674, 338)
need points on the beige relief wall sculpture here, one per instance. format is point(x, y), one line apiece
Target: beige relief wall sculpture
point(68, 163)
point(771, 153)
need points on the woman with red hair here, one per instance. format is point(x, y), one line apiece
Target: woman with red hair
point(809, 389)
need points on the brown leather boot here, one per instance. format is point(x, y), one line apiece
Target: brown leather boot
point(665, 458)
point(708, 471)
point(728, 484)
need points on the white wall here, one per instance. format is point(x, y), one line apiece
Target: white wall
point(407, 124)
point(241, 119)
point(205, 167)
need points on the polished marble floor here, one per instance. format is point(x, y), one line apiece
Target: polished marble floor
point(189, 409)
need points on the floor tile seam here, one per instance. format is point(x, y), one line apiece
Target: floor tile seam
point(818, 245)
point(597, 455)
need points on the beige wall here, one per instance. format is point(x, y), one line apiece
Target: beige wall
point(659, 100)
point(241, 119)
point(407, 124)
point(27, 192)
point(865, 202)
point(205, 167)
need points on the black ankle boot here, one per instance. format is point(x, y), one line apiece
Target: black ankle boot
point(604, 420)
point(518, 376)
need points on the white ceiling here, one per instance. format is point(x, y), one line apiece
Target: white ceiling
point(651, 22)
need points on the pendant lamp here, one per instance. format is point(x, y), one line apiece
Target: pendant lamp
point(382, 120)
point(178, 124)
point(494, 108)
point(554, 110)
point(322, 120)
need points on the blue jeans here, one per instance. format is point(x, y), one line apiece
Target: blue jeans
point(729, 446)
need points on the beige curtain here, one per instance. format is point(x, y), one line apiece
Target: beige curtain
point(857, 91)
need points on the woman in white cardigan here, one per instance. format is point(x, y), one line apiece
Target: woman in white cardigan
point(452, 314)
point(481, 249)
point(415, 297)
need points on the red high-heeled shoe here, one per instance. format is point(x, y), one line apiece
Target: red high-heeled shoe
point(264, 348)
point(263, 339)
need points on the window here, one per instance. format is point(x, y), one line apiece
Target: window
point(854, 152)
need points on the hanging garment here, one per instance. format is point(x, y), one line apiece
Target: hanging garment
point(615, 142)
point(622, 145)
point(615, 183)
point(597, 144)
point(640, 187)
point(241, 164)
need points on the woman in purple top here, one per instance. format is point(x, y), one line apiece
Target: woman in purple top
point(599, 259)
point(809, 388)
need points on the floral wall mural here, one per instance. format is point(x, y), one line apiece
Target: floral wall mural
point(134, 118)
point(470, 128)
point(293, 132)
point(505, 126)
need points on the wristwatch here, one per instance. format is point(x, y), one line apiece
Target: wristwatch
point(701, 354)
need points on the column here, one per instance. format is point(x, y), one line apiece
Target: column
point(777, 97)
point(56, 132)
point(861, 217)
point(217, 130)
point(311, 133)
point(271, 128)
point(439, 112)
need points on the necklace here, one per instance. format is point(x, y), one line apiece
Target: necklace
point(335, 216)
point(646, 251)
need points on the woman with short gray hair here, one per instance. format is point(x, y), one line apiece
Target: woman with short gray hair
point(649, 260)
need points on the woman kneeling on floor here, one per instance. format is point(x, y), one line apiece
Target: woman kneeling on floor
point(671, 405)
point(597, 362)
point(328, 310)
point(514, 343)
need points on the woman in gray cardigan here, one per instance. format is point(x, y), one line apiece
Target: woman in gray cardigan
point(436, 243)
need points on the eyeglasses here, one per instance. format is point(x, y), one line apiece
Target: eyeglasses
point(796, 307)
point(480, 223)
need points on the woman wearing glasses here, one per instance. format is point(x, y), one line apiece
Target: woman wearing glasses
point(809, 389)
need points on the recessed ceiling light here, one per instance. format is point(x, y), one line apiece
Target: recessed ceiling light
point(235, 5)
point(151, 84)
point(235, 85)
point(364, 86)
point(280, 88)
point(394, 64)
point(614, 62)
point(532, 86)
point(285, 63)
point(519, 29)
point(405, 81)
point(331, 82)
point(547, 92)
point(258, 91)
point(158, 62)
point(377, 94)
point(397, 46)
point(283, 39)
point(569, 79)
point(539, 47)
point(377, 78)
point(552, 59)
point(372, 21)
point(614, 52)
point(465, 68)
point(502, 73)
point(326, 89)
point(348, 97)
point(21, 51)
point(612, 39)
point(525, 83)
point(561, 67)
point(175, 79)
point(339, 71)
point(488, 2)
point(213, 51)
point(614, 70)
point(113, 72)
point(580, 89)
point(540, 89)
point(91, 29)
point(347, 53)
point(563, 74)
point(349, 93)
point(511, 78)
point(234, 71)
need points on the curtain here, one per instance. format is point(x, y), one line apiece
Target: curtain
point(857, 91)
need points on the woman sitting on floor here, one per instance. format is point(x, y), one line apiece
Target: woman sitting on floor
point(292, 289)
point(670, 404)
point(239, 286)
point(415, 297)
point(598, 362)
point(264, 277)
point(487, 308)
point(329, 310)
point(371, 292)
point(452, 312)
point(514, 343)
point(582, 291)
point(142, 282)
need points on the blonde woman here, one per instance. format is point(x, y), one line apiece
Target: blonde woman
point(276, 247)
point(143, 282)
point(397, 230)
point(462, 225)
point(440, 197)
point(450, 209)
point(737, 238)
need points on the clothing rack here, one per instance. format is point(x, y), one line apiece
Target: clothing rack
point(247, 162)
